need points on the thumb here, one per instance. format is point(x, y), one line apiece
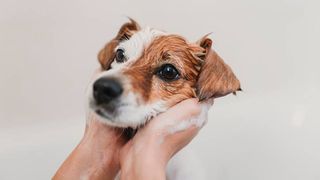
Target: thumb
point(198, 120)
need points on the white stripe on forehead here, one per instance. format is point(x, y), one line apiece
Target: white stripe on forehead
point(135, 46)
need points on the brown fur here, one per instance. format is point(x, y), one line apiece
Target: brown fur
point(216, 78)
point(171, 49)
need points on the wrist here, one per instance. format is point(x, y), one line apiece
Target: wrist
point(144, 161)
point(143, 168)
point(95, 157)
point(87, 163)
point(101, 146)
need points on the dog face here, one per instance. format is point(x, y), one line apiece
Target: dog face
point(146, 71)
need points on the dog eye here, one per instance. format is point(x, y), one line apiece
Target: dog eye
point(168, 72)
point(120, 57)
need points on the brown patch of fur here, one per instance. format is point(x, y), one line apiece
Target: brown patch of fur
point(107, 54)
point(216, 78)
point(171, 49)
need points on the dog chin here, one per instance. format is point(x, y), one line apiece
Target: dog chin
point(127, 115)
point(127, 118)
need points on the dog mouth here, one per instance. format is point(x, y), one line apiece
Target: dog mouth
point(109, 112)
point(104, 110)
point(128, 132)
point(103, 114)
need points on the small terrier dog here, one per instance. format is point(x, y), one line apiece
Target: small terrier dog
point(146, 71)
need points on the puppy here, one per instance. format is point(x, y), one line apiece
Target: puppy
point(146, 71)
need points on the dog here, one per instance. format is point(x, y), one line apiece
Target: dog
point(145, 71)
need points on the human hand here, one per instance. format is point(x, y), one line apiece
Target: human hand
point(96, 156)
point(102, 147)
point(154, 145)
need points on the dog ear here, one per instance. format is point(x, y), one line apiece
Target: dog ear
point(216, 78)
point(107, 53)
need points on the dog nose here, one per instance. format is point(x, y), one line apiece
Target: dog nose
point(106, 90)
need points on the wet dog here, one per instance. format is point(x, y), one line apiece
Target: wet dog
point(145, 71)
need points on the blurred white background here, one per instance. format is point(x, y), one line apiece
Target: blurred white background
point(271, 131)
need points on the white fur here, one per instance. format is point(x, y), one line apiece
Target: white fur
point(135, 46)
point(133, 114)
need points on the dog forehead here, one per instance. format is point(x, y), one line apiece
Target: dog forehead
point(135, 46)
point(142, 38)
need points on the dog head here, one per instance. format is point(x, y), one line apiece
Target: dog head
point(145, 71)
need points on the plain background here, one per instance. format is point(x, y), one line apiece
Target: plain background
point(270, 131)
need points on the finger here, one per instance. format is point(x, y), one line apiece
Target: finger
point(91, 117)
point(177, 141)
point(198, 120)
point(188, 132)
point(181, 111)
point(202, 118)
point(209, 102)
point(96, 72)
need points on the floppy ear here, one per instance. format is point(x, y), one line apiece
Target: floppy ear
point(107, 54)
point(216, 78)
